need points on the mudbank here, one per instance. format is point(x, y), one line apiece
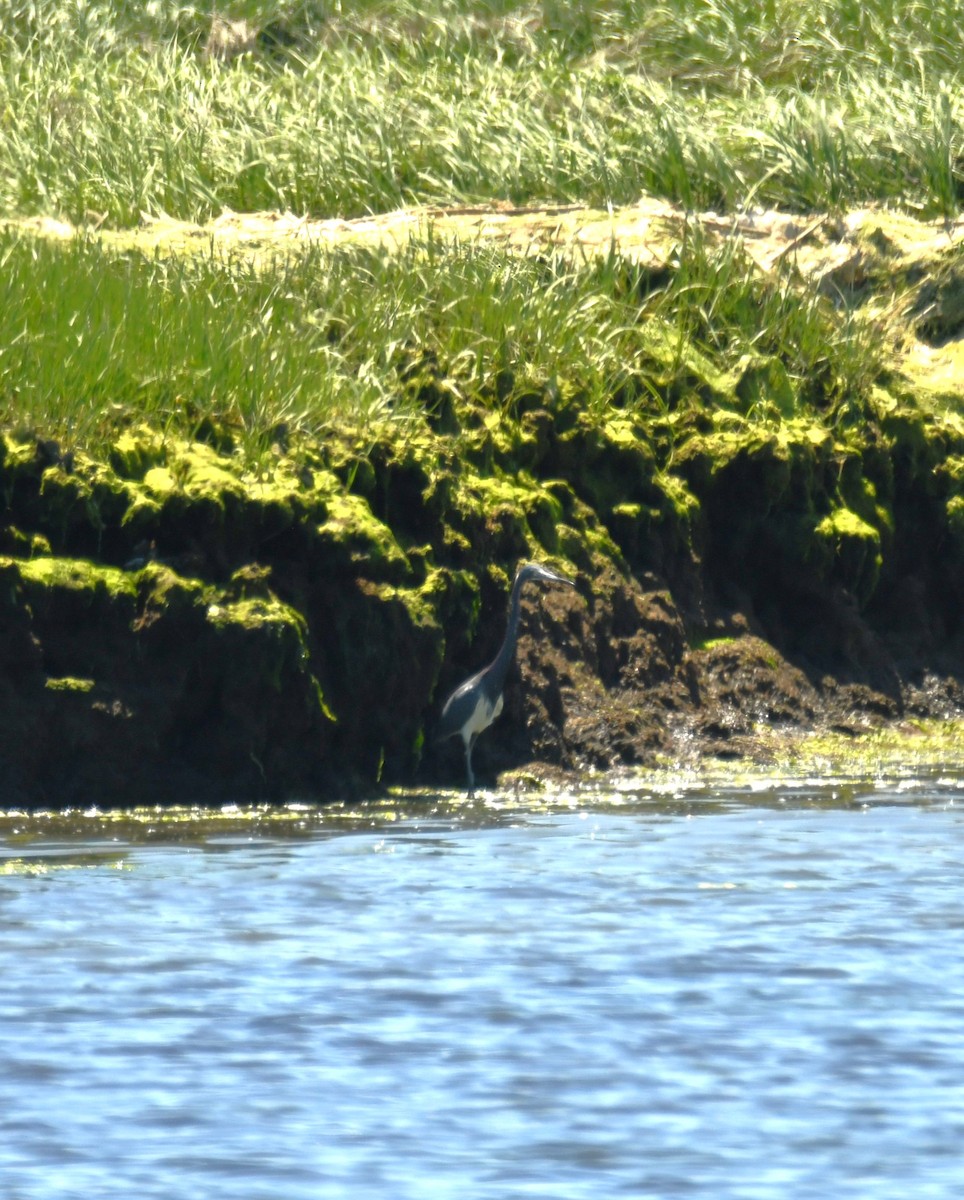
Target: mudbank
point(756, 553)
point(217, 639)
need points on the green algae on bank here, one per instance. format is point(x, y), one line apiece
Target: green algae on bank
point(909, 749)
point(122, 679)
point(853, 547)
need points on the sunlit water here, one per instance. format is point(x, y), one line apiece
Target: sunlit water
point(753, 994)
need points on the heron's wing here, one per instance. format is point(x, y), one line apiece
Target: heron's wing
point(459, 707)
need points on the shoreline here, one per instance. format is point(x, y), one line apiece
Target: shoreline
point(180, 628)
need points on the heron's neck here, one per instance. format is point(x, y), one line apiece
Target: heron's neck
point(503, 660)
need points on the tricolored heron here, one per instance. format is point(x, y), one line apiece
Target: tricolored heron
point(475, 704)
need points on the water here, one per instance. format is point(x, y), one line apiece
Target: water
point(755, 994)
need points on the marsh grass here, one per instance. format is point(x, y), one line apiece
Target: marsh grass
point(91, 342)
point(109, 111)
point(718, 301)
point(212, 347)
point(113, 110)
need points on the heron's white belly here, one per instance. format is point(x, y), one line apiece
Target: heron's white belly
point(482, 716)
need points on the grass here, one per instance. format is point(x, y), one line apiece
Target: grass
point(91, 341)
point(111, 111)
point(108, 111)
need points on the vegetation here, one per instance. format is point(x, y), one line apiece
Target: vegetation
point(253, 355)
point(343, 447)
point(110, 112)
point(113, 110)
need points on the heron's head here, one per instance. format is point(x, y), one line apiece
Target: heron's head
point(536, 571)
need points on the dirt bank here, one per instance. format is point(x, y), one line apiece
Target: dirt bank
point(173, 629)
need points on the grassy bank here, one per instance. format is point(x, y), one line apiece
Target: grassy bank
point(110, 111)
point(261, 498)
point(113, 111)
point(210, 345)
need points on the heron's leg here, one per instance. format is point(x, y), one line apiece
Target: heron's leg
point(468, 763)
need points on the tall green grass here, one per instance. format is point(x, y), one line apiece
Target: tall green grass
point(108, 111)
point(112, 110)
point(212, 347)
point(91, 342)
point(710, 41)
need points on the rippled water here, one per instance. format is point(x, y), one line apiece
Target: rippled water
point(757, 993)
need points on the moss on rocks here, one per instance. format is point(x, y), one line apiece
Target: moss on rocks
point(145, 685)
point(260, 633)
point(851, 547)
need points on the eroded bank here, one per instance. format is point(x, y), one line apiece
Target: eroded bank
point(755, 551)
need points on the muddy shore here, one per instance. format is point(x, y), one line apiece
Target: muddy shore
point(173, 630)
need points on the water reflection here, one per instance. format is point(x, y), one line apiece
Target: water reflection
point(91, 837)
